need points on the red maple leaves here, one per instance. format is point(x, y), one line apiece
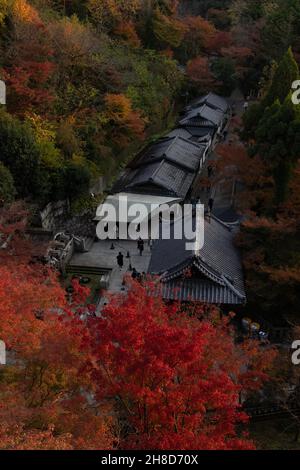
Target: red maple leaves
point(176, 380)
point(161, 376)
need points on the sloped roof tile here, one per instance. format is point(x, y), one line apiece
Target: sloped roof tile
point(203, 113)
point(174, 149)
point(218, 262)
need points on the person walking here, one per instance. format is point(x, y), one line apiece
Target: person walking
point(210, 204)
point(141, 246)
point(120, 260)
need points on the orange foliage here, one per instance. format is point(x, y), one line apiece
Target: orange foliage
point(31, 67)
point(124, 122)
point(23, 11)
point(126, 31)
point(199, 33)
point(198, 71)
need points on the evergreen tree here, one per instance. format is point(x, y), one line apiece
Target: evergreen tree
point(282, 27)
point(286, 73)
point(278, 142)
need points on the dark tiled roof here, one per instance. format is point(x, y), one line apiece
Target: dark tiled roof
point(175, 149)
point(202, 115)
point(218, 264)
point(161, 177)
point(212, 100)
point(167, 167)
point(180, 132)
point(176, 180)
point(193, 133)
point(200, 131)
point(193, 290)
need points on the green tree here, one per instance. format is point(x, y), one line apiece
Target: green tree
point(286, 73)
point(282, 27)
point(76, 179)
point(278, 142)
point(7, 187)
point(19, 152)
point(224, 71)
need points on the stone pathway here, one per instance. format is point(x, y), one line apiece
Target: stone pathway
point(223, 191)
point(102, 256)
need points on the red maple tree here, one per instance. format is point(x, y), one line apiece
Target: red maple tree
point(46, 392)
point(198, 71)
point(175, 379)
point(162, 376)
point(30, 66)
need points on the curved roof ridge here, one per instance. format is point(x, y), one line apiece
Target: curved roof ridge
point(203, 267)
point(176, 270)
point(231, 287)
point(157, 169)
point(208, 270)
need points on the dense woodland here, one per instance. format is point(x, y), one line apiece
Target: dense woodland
point(89, 81)
point(88, 84)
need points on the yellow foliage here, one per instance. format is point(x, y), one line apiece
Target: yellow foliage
point(107, 11)
point(43, 130)
point(22, 11)
point(4, 9)
point(45, 136)
point(168, 30)
point(118, 107)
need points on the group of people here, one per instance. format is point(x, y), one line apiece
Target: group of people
point(140, 277)
point(140, 247)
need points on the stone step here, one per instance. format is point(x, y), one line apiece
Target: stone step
point(85, 270)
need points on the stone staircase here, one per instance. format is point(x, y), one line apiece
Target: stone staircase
point(86, 271)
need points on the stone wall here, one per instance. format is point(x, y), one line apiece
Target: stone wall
point(53, 213)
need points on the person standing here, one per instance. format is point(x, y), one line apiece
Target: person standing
point(120, 260)
point(134, 274)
